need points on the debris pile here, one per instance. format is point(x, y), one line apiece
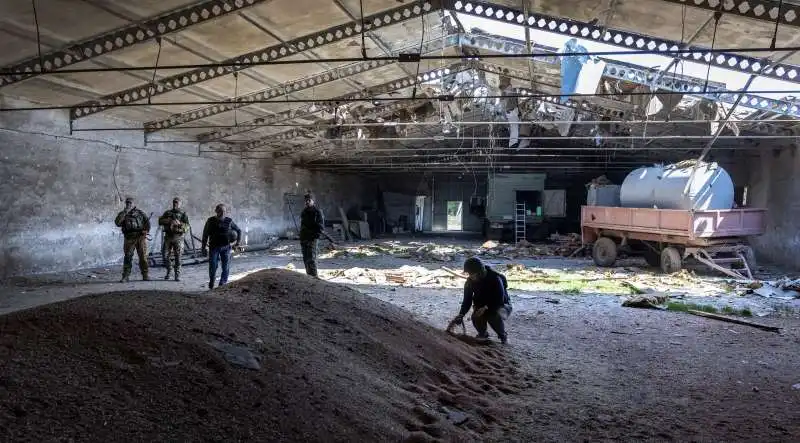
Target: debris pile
point(403, 276)
point(425, 253)
point(783, 289)
point(276, 356)
point(600, 181)
point(560, 245)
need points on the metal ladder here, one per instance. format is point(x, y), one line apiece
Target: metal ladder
point(519, 222)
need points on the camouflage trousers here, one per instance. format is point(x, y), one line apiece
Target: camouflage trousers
point(139, 244)
point(173, 245)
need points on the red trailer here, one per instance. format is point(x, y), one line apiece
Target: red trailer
point(667, 237)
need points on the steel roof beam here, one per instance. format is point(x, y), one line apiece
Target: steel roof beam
point(373, 91)
point(618, 70)
point(645, 76)
point(120, 38)
point(763, 10)
point(623, 39)
point(389, 17)
point(301, 84)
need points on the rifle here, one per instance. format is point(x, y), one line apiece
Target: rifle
point(325, 234)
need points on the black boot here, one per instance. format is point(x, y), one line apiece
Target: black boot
point(124, 279)
point(177, 276)
point(166, 277)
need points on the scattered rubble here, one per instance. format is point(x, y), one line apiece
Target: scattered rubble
point(559, 245)
point(782, 289)
point(600, 181)
point(648, 301)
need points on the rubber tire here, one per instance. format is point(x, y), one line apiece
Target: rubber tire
point(652, 257)
point(671, 261)
point(604, 252)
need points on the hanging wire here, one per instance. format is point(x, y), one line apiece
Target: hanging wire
point(155, 70)
point(235, 97)
point(777, 23)
point(38, 36)
point(421, 43)
point(363, 44)
point(717, 16)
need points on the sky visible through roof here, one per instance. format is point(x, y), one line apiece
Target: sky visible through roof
point(733, 80)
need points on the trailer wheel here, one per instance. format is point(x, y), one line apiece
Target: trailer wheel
point(604, 252)
point(671, 261)
point(652, 257)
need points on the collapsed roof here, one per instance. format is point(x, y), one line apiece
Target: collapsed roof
point(414, 87)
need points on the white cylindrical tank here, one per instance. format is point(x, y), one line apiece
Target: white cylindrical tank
point(664, 187)
point(711, 188)
point(638, 189)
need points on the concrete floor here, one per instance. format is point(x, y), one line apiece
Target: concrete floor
point(26, 292)
point(601, 371)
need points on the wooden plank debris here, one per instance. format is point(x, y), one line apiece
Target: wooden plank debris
point(734, 320)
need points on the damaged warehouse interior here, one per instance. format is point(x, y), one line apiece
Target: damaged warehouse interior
point(628, 168)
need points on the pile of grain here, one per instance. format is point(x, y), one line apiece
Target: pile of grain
point(275, 356)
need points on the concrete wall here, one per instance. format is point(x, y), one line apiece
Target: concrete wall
point(775, 184)
point(61, 192)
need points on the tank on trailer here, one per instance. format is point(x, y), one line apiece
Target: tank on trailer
point(665, 187)
point(670, 213)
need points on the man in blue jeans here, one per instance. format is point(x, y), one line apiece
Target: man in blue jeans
point(219, 232)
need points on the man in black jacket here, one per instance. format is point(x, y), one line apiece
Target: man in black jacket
point(485, 291)
point(312, 225)
point(218, 233)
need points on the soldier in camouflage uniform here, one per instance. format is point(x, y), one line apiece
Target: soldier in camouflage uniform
point(175, 223)
point(135, 227)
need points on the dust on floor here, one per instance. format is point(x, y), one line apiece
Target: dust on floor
point(277, 356)
point(589, 369)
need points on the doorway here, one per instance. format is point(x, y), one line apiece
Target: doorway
point(532, 200)
point(419, 211)
point(455, 215)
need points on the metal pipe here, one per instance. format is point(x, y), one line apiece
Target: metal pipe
point(444, 98)
point(580, 137)
point(544, 148)
point(427, 123)
point(470, 164)
point(494, 154)
point(617, 159)
point(703, 52)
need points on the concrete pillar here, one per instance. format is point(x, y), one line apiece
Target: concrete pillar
point(775, 185)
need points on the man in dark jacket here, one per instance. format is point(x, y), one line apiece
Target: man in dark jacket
point(218, 234)
point(485, 291)
point(312, 225)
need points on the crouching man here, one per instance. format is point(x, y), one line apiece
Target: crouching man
point(485, 291)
